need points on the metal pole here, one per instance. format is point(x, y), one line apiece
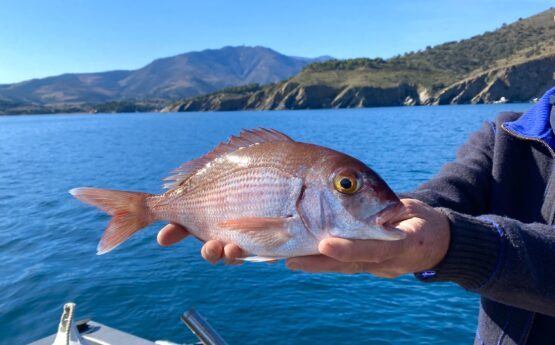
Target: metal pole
point(201, 328)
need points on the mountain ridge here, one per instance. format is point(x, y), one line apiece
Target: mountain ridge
point(179, 76)
point(514, 63)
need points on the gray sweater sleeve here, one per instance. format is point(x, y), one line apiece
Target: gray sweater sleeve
point(502, 259)
point(499, 258)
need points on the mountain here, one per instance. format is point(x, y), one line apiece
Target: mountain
point(515, 62)
point(169, 78)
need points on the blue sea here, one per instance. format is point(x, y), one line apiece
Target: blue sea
point(48, 239)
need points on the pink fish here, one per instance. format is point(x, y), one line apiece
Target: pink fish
point(272, 196)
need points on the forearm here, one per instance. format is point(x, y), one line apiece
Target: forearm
point(501, 259)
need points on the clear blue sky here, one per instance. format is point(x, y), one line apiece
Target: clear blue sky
point(40, 38)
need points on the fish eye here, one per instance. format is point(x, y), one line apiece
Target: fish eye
point(346, 183)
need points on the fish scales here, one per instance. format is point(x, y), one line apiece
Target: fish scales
point(262, 194)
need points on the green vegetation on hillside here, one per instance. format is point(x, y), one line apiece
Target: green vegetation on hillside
point(536, 34)
point(345, 65)
point(241, 88)
point(445, 63)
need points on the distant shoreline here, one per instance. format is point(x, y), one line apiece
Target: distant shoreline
point(256, 111)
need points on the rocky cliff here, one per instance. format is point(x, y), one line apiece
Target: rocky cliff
point(514, 83)
point(520, 82)
point(290, 95)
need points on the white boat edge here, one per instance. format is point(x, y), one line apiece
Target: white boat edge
point(99, 334)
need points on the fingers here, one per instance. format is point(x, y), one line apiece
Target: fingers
point(232, 252)
point(170, 234)
point(345, 250)
point(212, 251)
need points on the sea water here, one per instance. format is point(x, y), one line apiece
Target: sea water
point(48, 239)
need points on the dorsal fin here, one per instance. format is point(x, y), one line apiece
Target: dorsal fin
point(246, 138)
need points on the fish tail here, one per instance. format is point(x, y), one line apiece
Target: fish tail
point(129, 211)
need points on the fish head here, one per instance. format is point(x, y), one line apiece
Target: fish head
point(355, 202)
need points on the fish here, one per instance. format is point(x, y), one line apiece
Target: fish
point(271, 195)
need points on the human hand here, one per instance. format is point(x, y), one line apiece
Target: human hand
point(425, 245)
point(211, 251)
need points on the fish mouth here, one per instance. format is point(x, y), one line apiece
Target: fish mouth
point(386, 214)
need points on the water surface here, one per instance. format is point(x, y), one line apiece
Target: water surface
point(48, 240)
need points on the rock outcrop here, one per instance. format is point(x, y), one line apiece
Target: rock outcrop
point(294, 96)
point(515, 83)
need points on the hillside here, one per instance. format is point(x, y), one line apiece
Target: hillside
point(516, 61)
point(171, 78)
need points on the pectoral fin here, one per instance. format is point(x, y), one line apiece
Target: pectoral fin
point(268, 232)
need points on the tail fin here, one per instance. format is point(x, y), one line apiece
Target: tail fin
point(129, 210)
